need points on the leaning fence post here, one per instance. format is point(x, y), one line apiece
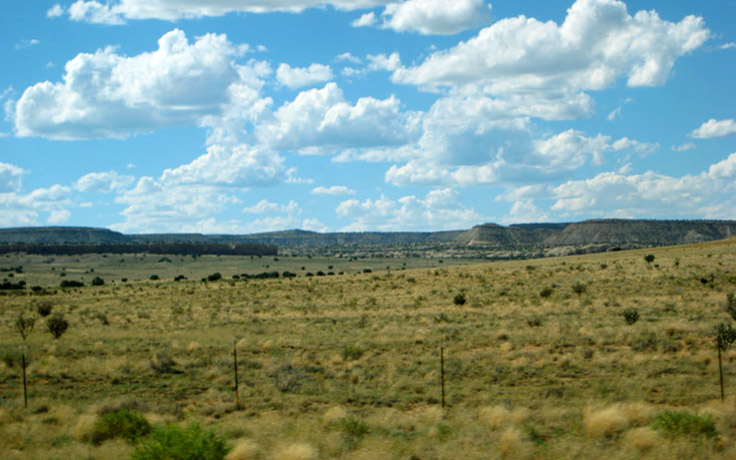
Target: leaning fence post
point(442, 372)
point(235, 370)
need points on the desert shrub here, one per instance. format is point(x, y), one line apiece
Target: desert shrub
point(684, 423)
point(71, 284)
point(123, 423)
point(579, 288)
point(57, 325)
point(153, 278)
point(214, 277)
point(649, 258)
point(631, 315)
point(546, 292)
point(725, 335)
point(97, 281)
point(534, 321)
point(176, 443)
point(163, 363)
point(351, 352)
point(288, 378)
point(44, 308)
point(459, 299)
point(352, 428)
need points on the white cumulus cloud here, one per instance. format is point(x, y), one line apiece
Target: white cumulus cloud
point(11, 178)
point(334, 190)
point(435, 16)
point(108, 181)
point(297, 77)
point(440, 209)
point(105, 94)
point(715, 128)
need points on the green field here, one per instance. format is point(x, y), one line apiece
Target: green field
point(539, 359)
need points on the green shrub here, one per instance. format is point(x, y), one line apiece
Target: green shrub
point(71, 284)
point(351, 352)
point(649, 258)
point(459, 299)
point(97, 281)
point(44, 308)
point(684, 423)
point(546, 292)
point(57, 325)
point(123, 423)
point(631, 315)
point(176, 443)
point(579, 288)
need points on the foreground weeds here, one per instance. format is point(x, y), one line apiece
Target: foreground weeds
point(542, 360)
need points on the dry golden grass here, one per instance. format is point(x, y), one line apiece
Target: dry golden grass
point(348, 366)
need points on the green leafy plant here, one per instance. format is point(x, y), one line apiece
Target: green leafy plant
point(24, 325)
point(123, 423)
point(684, 423)
point(44, 308)
point(649, 258)
point(181, 443)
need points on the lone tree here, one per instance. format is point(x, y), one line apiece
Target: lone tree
point(24, 326)
point(649, 258)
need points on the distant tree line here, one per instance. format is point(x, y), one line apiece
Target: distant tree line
point(230, 249)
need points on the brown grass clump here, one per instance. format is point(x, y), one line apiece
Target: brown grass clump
point(642, 438)
point(298, 451)
point(494, 417)
point(511, 444)
point(245, 449)
point(84, 426)
point(334, 414)
point(638, 413)
point(604, 423)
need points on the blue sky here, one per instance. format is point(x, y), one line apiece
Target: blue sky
point(241, 116)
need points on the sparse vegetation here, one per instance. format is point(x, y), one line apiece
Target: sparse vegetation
point(176, 443)
point(631, 315)
point(57, 325)
point(349, 367)
point(123, 423)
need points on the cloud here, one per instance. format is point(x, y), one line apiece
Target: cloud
point(55, 11)
point(26, 43)
point(368, 19)
point(715, 128)
point(103, 182)
point(348, 57)
point(334, 190)
point(709, 194)
point(597, 43)
point(265, 206)
point(375, 63)
point(728, 46)
point(435, 16)
point(120, 11)
point(684, 147)
point(11, 178)
point(17, 209)
point(154, 206)
point(615, 113)
point(226, 166)
point(108, 95)
point(320, 120)
point(58, 217)
point(440, 209)
point(296, 77)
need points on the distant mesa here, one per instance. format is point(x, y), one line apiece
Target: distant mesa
point(597, 232)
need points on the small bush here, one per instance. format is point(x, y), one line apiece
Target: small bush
point(154, 278)
point(288, 378)
point(57, 325)
point(459, 299)
point(44, 308)
point(534, 321)
point(579, 288)
point(351, 352)
point(176, 443)
point(684, 423)
point(214, 277)
point(546, 292)
point(123, 423)
point(631, 315)
point(71, 284)
point(24, 325)
point(649, 258)
point(97, 281)
point(163, 363)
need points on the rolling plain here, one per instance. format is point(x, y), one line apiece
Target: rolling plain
point(597, 356)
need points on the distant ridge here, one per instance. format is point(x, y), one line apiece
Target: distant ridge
point(541, 235)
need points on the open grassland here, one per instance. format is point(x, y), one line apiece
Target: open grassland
point(539, 359)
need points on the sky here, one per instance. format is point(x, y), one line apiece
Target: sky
point(244, 116)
